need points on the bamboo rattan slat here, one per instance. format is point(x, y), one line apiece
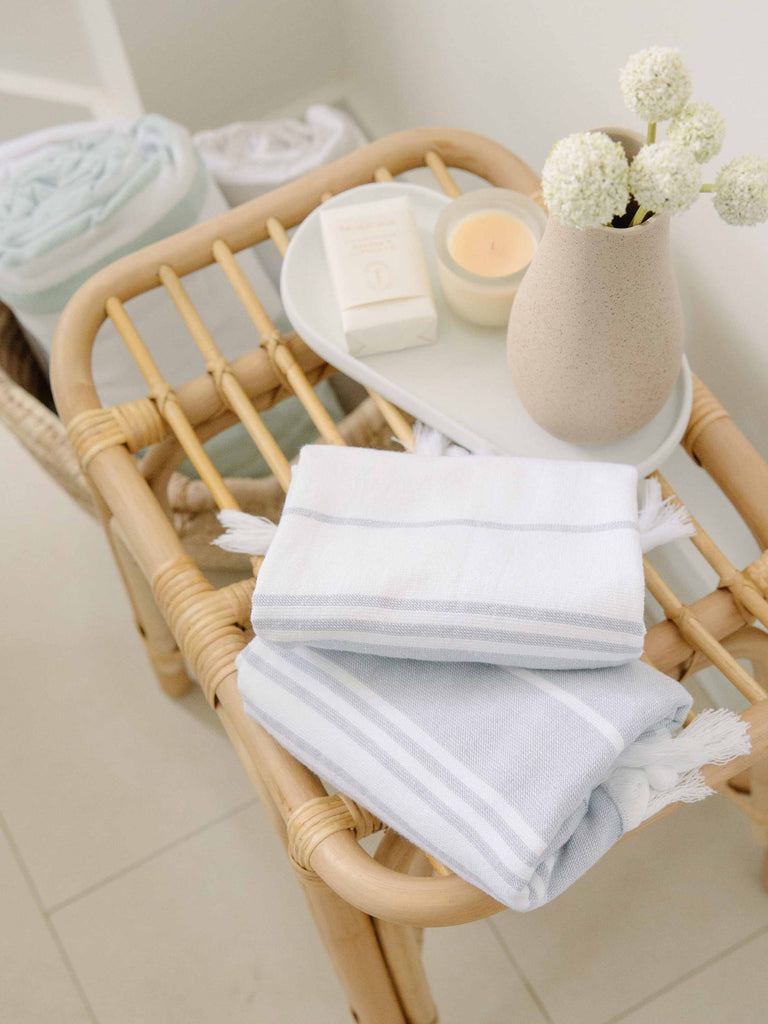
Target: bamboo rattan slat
point(208, 624)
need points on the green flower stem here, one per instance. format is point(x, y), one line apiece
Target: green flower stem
point(651, 134)
point(640, 216)
point(707, 188)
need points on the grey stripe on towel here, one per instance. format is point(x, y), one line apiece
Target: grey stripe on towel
point(482, 524)
point(513, 611)
point(313, 630)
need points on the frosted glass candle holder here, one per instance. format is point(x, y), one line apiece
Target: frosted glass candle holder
point(478, 238)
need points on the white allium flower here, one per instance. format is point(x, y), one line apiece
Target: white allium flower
point(700, 127)
point(741, 191)
point(585, 180)
point(655, 83)
point(665, 178)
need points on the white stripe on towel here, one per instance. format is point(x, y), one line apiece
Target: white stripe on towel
point(594, 718)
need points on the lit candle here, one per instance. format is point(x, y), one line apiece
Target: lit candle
point(484, 242)
point(491, 244)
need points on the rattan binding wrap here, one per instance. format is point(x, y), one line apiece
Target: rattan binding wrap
point(315, 820)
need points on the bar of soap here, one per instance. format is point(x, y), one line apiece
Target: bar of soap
point(379, 275)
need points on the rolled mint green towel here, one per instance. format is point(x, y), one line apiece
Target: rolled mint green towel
point(74, 199)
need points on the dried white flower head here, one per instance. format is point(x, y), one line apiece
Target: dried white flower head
point(700, 127)
point(655, 83)
point(585, 180)
point(741, 191)
point(665, 178)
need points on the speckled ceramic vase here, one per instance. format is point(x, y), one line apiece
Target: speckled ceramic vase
point(595, 338)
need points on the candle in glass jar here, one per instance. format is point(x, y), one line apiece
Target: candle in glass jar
point(492, 244)
point(484, 242)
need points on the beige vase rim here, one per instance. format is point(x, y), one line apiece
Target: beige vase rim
point(653, 220)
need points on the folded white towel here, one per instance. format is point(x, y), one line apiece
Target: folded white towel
point(517, 780)
point(249, 158)
point(76, 197)
point(509, 561)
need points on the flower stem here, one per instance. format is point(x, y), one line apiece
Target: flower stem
point(651, 134)
point(640, 216)
point(707, 188)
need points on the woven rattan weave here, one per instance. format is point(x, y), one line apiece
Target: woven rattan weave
point(368, 909)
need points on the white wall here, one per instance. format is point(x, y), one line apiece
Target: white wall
point(46, 38)
point(61, 62)
point(207, 62)
point(527, 73)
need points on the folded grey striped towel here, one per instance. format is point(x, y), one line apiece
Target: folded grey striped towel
point(509, 561)
point(517, 780)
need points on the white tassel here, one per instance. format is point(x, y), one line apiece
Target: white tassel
point(662, 769)
point(428, 441)
point(715, 736)
point(245, 534)
point(661, 521)
point(689, 789)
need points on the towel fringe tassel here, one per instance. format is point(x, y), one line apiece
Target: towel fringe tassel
point(659, 520)
point(245, 534)
point(658, 770)
point(428, 441)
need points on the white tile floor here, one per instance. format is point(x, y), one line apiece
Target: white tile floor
point(141, 882)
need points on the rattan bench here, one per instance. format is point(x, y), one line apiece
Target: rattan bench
point(368, 908)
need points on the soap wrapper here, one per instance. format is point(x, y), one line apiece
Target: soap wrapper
point(379, 275)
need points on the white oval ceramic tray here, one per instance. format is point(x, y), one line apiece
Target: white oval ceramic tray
point(461, 384)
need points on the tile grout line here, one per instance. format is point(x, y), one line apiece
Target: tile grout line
point(527, 983)
point(55, 937)
point(687, 975)
point(121, 872)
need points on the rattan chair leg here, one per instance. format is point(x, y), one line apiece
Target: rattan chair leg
point(755, 805)
point(402, 950)
point(347, 933)
point(401, 944)
point(758, 798)
point(353, 948)
point(160, 644)
point(749, 789)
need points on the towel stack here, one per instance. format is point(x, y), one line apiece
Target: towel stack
point(454, 643)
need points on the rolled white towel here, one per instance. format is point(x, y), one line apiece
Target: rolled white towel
point(249, 158)
point(74, 199)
